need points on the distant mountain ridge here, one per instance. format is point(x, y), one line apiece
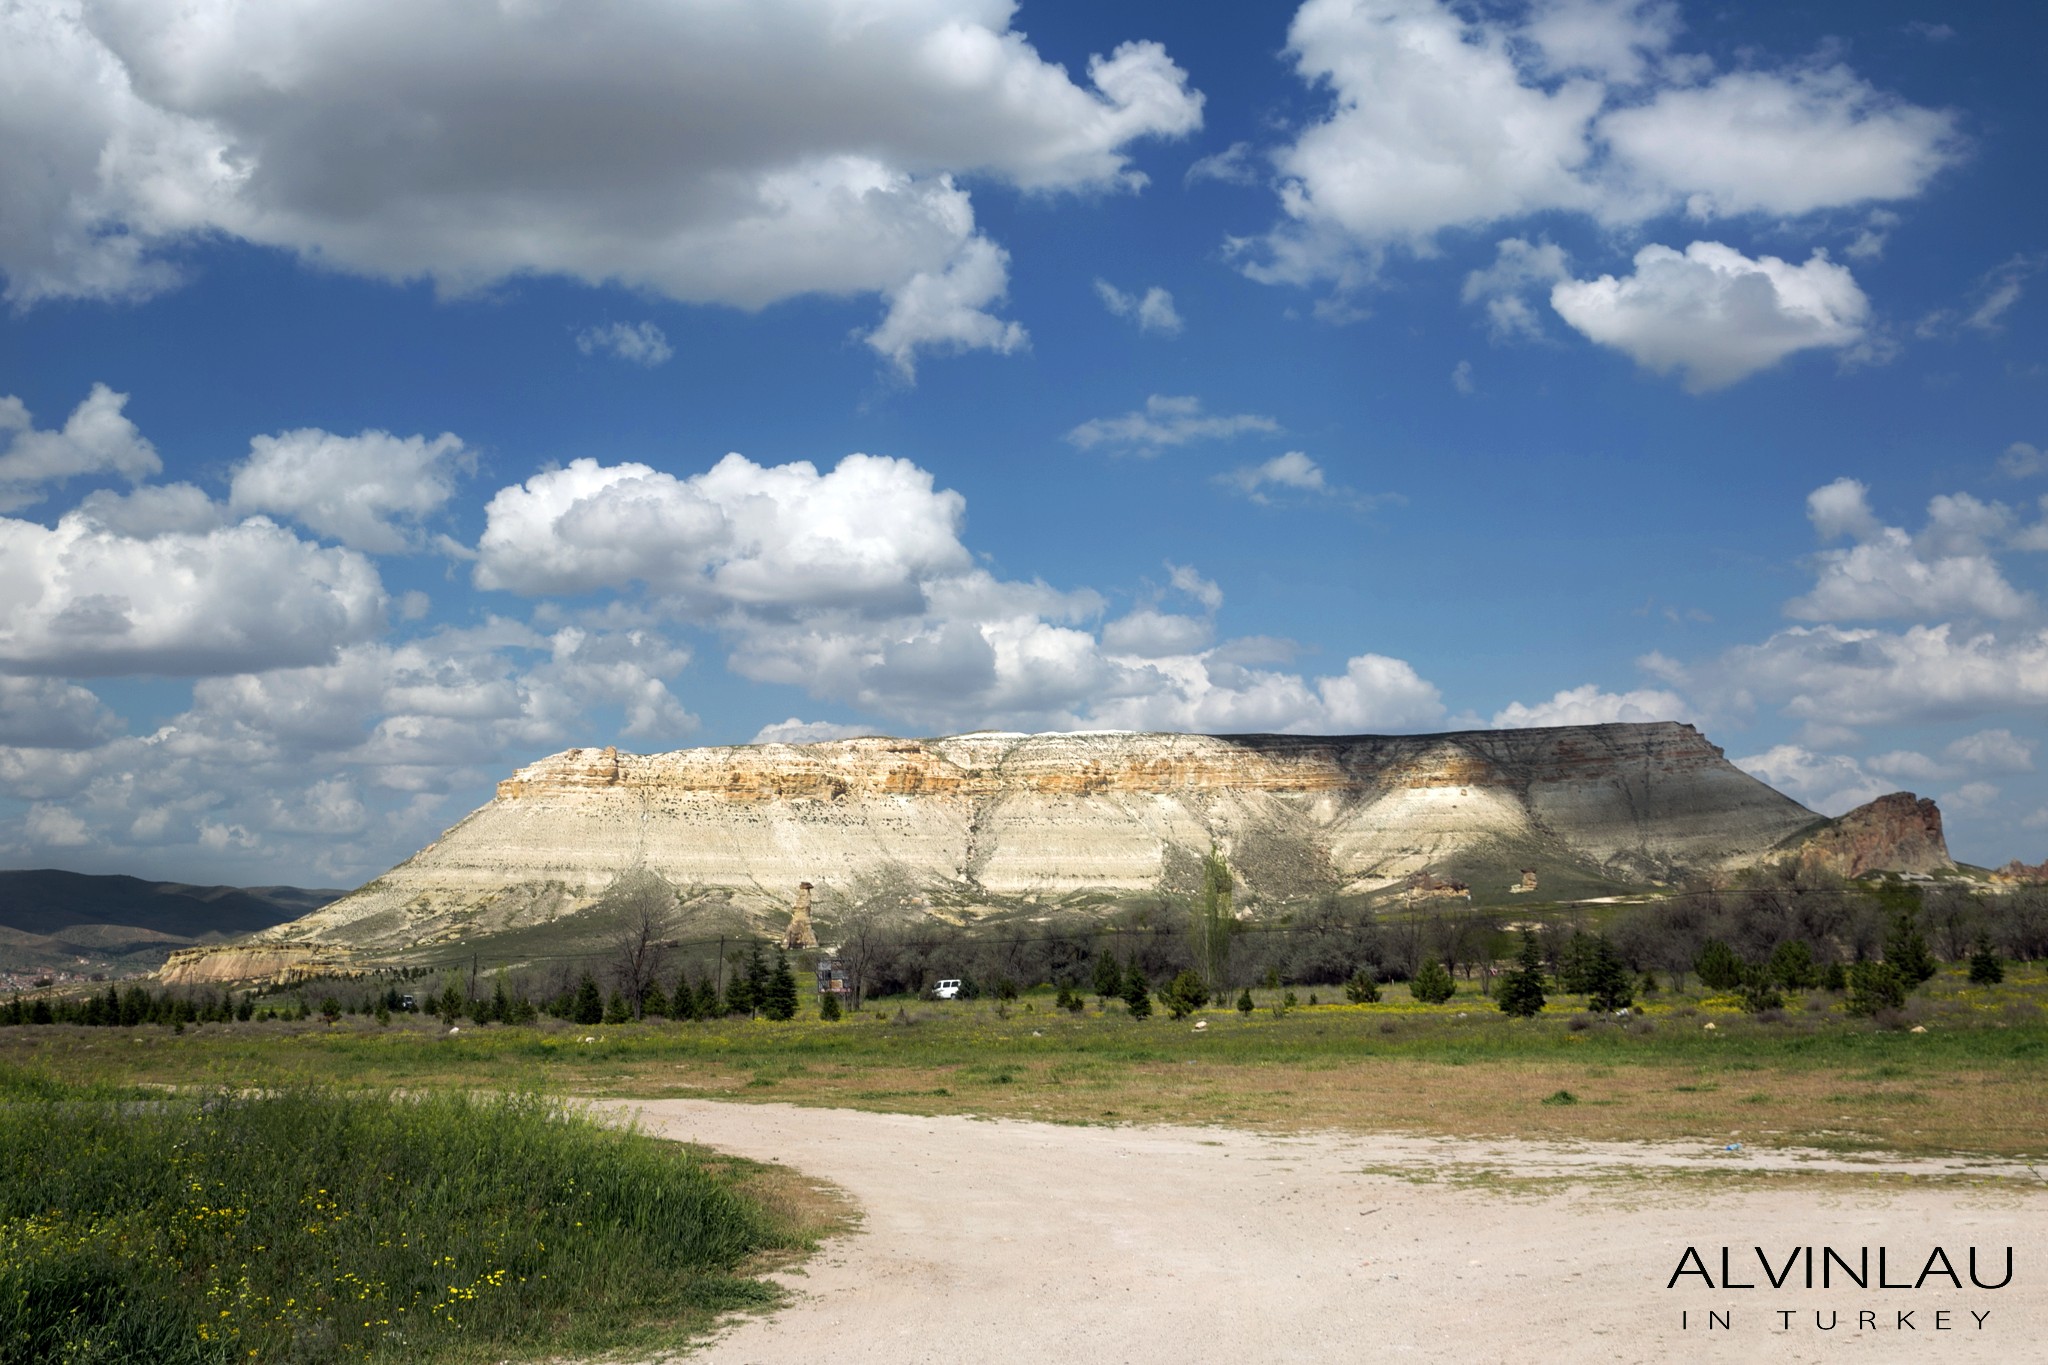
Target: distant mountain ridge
point(52, 918)
point(982, 820)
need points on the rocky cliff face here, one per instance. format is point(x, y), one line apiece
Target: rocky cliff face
point(1005, 815)
point(1896, 833)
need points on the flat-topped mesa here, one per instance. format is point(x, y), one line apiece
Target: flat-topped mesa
point(1088, 764)
point(979, 818)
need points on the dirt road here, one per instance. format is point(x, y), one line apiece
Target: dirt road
point(1033, 1242)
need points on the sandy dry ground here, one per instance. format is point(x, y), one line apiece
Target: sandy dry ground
point(1003, 1240)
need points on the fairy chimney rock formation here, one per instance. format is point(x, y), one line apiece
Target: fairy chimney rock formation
point(800, 934)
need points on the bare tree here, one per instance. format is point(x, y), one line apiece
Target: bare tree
point(862, 914)
point(643, 907)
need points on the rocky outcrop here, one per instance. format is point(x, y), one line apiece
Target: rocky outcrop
point(1895, 833)
point(984, 817)
point(2017, 873)
point(277, 964)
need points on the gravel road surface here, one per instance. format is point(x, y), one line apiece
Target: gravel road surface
point(1004, 1240)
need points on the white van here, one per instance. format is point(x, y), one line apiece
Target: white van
point(947, 990)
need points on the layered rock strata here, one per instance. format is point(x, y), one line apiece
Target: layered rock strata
point(1896, 833)
point(1011, 815)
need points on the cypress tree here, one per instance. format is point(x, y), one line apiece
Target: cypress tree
point(1520, 993)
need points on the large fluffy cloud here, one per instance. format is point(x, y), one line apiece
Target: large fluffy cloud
point(734, 154)
point(861, 534)
point(854, 585)
point(1714, 314)
point(1946, 570)
point(83, 599)
point(1440, 119)
point(369, 491)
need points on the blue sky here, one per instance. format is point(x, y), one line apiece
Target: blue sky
point(395, 393)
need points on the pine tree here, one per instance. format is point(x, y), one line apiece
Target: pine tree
point(615, 1010)
point(1792, 966)
point(828, 1007)
point(1573, 963)
point(588, 1007)
point(1109, 978)
point(1137, 991)
point(683, 1003)
point(1758, 990)
point(1520, 993)
point(1433, 985)
point(1608, 985)
point(707, 997)
point(759, 976)
point(654, 1001)
point(739, 992)
point(781, 993)
point(1905, 948)
point(501, 1000)
point(1987, 968)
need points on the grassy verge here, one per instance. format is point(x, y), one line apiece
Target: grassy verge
point(307, 1225)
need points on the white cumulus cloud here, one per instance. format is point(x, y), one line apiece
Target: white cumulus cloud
point(1947, 569)
point(369, 491)
point(1716, 315)
point(97, 438)
point(710, 153)
point(1442, 117)
point(1588, 705)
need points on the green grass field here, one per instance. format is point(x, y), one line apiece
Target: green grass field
point(308, 1225)
point(1974, 1080)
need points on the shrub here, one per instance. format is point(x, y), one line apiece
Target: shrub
point(1759, 990)
point(828, 1007)
point(1244, 1001)
point(1875, 988)
point(1717, 966)
point(1433, 985)
point(1361, 989)
point(1835, 977)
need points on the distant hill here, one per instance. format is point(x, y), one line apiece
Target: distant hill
point(50, 919)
